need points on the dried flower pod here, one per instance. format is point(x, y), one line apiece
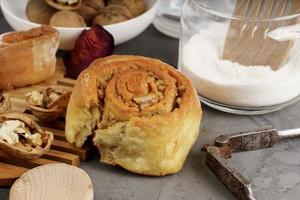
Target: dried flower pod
point(49, 104)
point(22, 137)
point(64, 4)
point(91, 44)
point(89, 9)
point(136, 7)
point(39, 12)
point(5, 104)
point(67, 19)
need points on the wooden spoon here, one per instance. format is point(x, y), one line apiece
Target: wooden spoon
point(53, 181)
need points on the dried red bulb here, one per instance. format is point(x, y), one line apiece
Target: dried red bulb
point(90, 45)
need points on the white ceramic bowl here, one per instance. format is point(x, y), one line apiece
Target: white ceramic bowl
point(14, 13)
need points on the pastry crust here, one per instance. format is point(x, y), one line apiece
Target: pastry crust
point(27, 57)
point(142, 113)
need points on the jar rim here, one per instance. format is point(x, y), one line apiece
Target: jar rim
point(221, 14)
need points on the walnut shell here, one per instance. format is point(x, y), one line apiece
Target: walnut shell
point(51, 111)
point(110, 15)
point(120, 9)
point(22, 153)
point(67, 19)
point(136, 7)
point(39, 12)
point(63, 6)
point(47, 115)
point(89, 9)
point(5, 104)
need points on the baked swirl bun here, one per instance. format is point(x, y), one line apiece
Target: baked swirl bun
point(143, 115)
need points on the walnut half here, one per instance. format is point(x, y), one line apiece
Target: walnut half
point(146, 100)
point(5, 104)
point(64, 4)
point(22, 137)
point(48, 104)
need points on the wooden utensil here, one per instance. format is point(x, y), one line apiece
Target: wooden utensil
point(247, 42)
point(53, 181)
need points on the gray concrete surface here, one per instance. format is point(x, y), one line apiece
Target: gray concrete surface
point(275, 172)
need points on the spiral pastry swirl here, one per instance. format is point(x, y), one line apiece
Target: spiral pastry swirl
point(143, 114)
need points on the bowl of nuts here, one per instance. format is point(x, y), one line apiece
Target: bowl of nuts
point(124, 19)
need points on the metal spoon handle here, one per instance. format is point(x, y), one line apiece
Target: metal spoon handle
point(290, 133)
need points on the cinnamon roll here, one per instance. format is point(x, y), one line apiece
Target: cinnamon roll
point(143, 115)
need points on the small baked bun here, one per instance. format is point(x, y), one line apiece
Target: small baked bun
point(143, 115)
point(27, 57)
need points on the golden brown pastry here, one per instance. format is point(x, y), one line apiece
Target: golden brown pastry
point(27, 57)
point(49, 104)
point(136, 7)
point(67, 19)
point(112, 15)
point(64, 4)
point(89, 9)
point(5, 104)
point(39, 12)
point(22, 137)
point(143, 114)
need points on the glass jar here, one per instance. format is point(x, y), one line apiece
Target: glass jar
point(167, 19)
point(241, 63)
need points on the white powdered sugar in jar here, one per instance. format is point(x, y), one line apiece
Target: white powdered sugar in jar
point(234, 84)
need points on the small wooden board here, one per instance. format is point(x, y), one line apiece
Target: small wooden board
point(61, 151)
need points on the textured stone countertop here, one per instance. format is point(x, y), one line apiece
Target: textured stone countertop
point(275, 172)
